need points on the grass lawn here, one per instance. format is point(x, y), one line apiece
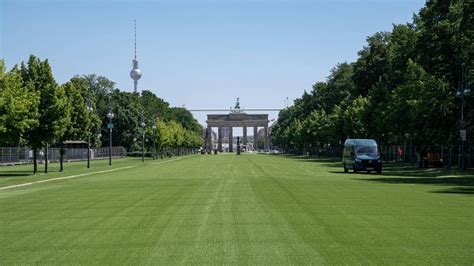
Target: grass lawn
point(249, 209)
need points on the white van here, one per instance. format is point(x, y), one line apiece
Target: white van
point(361, 155)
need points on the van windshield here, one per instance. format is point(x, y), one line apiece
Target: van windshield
point(369, 150)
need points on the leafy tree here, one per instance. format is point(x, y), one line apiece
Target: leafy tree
point(155, 107)
point(53, 106)
point(18, 107)
point(402, 47)
point(129, 114)
point(373, 64)
point(339, 87)
point(352, 117)
point(85, 123)
point(318, 128)
point(422, 105)
point(446, 38)
point(375, 111)
point(98, 90)
point(402, 82)
point(186, 119)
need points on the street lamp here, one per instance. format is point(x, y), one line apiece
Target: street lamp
point(154, 137)
point(110, 115)
point(143, 139)
point(463, 91)
point(90, 109)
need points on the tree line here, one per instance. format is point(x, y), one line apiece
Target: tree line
point(403, 84)
point(37, 112)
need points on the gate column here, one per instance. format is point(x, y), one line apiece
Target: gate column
point(244, 141)
point(219, 137)
point(267, 140)
point(231, 140)
point(209, 138)
point(255, 138)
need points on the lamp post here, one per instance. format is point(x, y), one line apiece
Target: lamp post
point(463, 91)
point(143, 139)
point(90, 109)
point(110, 115)
point(154, 137)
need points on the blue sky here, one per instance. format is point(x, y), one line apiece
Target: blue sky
point(201, 54)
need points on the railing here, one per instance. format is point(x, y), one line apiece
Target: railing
point(24, 155)
point(165, 152)
point(451, 156)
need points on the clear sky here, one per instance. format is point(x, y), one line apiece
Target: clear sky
point(201, 54)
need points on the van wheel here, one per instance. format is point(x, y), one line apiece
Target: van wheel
point(379, 171)
point(354, 169)
point(345, 168)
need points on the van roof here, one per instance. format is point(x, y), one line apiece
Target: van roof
point(361, 142)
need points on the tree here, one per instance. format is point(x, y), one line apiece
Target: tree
point(352, 118)
point(318, 128)
point(85, 123)
point(402, 82)
point(404, 38)
point(154, 106)
point(53, 106)
point(446, 38)
point(339, 87)
point(128, 117)
point(18, 107)
point(186, 119)
point(422, 105)
point(373, 63)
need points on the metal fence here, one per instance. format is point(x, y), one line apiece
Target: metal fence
point(449, 155)
point(24, 155)
point(165, 152)
point(413, 155)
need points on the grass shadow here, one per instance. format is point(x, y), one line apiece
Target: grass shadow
point(305, 158)
point(15, 173)
point(461, 184)
point(399, 173)
point(457, 190)
point(402, 170)
point(398, 169)
point(447, 181)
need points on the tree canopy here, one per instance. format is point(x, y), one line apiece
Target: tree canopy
point(35, 111)
point(403, 82)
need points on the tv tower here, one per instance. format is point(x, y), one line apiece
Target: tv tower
point(136, 73)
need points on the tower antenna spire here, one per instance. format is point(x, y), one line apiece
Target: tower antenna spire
point(136, 73)
point(135, 21)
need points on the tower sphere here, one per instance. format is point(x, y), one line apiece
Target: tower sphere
point(136, 74)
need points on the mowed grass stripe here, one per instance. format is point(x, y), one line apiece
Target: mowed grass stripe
point(63, 178)
point(249, 209)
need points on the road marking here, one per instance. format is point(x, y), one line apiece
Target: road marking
point(65, 177)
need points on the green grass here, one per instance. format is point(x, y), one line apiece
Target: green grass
point(12, 175)
point(249, 209)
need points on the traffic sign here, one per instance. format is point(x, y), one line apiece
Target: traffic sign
point(110, 125)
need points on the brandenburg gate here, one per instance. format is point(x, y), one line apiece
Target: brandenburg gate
point(236, 118)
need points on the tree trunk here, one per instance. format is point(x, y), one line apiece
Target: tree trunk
point(35, 162)
point(46, 158)
point(61, 158)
